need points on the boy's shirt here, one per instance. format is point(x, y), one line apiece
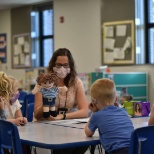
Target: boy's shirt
point(114, 126)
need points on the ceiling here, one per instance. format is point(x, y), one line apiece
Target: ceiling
point(7, 4)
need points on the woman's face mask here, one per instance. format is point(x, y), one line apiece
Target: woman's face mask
point(14, 98)
point(61, 72)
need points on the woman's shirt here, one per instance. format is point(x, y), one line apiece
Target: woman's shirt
point(69, 99)
point(11, 110)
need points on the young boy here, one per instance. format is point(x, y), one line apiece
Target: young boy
point(113, 123)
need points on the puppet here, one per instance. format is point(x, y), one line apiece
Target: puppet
point(47, 85)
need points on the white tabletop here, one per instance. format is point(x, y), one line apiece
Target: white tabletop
point(55, 137)
point(58, 135)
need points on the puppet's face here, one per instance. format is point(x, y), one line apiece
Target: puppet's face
point(47, 85)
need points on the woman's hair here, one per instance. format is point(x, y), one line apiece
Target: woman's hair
point(139, 110)
point(70, 78)
point(5, 85)
point(104, 90)
point(45, 77)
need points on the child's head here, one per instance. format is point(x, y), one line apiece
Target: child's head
point(14, 84)
point(14, 88)
point(126, 98)
point(104, 91)
point(5, 86)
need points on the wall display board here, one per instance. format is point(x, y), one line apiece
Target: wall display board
point(131, 83)
point(21, 55)
point(118, 42)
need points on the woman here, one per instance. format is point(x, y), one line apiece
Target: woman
point(138, 110)
point(71, 90)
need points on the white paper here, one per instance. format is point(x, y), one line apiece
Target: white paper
point(17, 49)
point(109, 31)
point(121, 30)
point(26, 47)
point(127, 44)
point(109, 43)
point(109, 57)
point(27, 60)
point(118, 53)
point(21, 40)
point(16, 60)
point(22, 59)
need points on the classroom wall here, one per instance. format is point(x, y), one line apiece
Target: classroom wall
point(80, 32)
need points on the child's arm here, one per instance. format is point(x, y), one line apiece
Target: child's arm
point(2, 111)
point(93, 108)
point(36, 89)
point(88, 132)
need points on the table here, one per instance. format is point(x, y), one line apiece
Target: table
point(55, 137)
point(51, 135)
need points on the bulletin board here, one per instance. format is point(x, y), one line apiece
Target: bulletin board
point(21, 54)
point(118, 42)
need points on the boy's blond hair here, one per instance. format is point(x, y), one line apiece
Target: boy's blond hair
point(104, 91)
point(5, 86)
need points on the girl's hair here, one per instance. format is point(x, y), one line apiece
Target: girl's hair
point(70, 78)
point(14, 82)
point(103, 90)
point(5, 85)
point(44, 77)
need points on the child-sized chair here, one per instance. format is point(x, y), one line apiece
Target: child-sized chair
point(9, 138)
point(142, 141)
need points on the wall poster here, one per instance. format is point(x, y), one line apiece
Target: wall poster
point(118, 42)
point(21, 55)
point(3, 45)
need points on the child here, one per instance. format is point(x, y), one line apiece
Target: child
point(125, 98)
point(13, 111)
point(113, 123)
point(47, 85)
point(5, 89)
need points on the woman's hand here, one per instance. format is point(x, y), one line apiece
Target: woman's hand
point(93, 107)
point(58, 117)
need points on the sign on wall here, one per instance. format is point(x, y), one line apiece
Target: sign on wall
point(3, 45)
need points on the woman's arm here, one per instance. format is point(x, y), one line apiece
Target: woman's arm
point(151, 119)
point(82, 104)
point(38, 106)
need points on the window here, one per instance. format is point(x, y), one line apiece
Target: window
point(42, 34)
point(140, 35)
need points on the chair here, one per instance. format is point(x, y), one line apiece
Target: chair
point(142, 141)
point(28, 99)
point(9, 138)
point(30, 110)
point(21, 98)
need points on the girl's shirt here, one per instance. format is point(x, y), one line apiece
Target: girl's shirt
point(11, 110)
point(2, 114)
point(69, 99)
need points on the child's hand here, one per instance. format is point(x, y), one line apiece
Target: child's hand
point(20, 121)
point(93, 107)
point(2, 102)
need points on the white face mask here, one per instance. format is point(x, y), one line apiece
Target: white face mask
point(61, 72)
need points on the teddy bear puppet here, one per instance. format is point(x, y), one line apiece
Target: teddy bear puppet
point(47, 85)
